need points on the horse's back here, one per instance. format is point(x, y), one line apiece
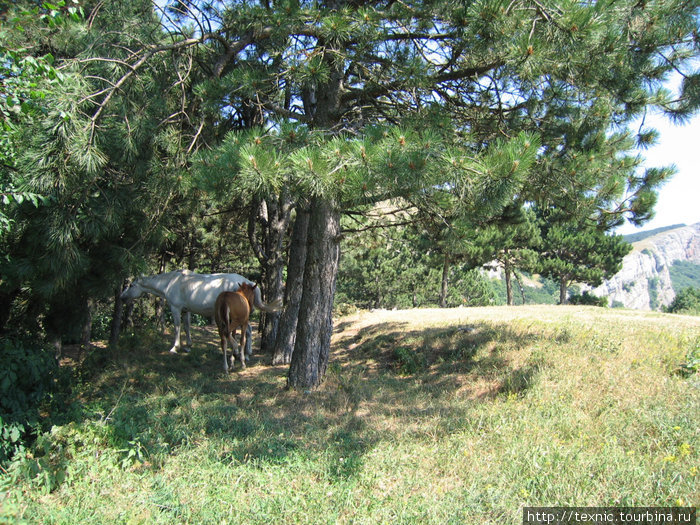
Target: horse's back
point(198, 292)
point(235, 304)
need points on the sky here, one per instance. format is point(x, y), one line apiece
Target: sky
point(679, 198)
point(678, 145)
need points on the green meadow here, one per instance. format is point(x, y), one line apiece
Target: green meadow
point(426, 416)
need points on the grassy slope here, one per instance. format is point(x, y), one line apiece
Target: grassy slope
point(427, 416)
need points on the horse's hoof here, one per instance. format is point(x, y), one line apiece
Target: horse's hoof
point(173, 351)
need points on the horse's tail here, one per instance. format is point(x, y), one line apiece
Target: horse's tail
point(222, 315)
point(274, 306)
point(227, 316)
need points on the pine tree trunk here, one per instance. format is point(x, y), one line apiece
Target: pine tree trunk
point(286, 333)
point(509, 284)
point(86, 333)
point(117, 314)
point(279, 214)
point(127, 315)
point(315, 323)
point(562, 290)
point(445, 279)
point(273, 215)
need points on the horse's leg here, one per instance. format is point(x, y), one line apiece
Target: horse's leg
point(235, 351)
point(224, 344)
point(177, 314)
point(244, 332)
point(188, 318)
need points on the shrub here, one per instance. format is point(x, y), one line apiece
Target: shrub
point(588, 299)
point(409, 361)
point(26, 379)
point(692, 360)
point(686, 302)
point(653, 292)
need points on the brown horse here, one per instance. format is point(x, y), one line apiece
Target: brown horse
point(232, 310)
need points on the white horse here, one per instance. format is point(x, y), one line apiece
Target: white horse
point(189, 292)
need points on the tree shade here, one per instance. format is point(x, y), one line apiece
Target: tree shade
point(466, 109)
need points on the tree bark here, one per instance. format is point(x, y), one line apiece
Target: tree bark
point(562, 290)
point(286, 333)
point(273, 215)
point(86, 333)
point(509, 285)
point(127, 316)
point(315, 323)
point(117, 315)
point(445, 280)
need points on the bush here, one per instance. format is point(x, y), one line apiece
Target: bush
point(409, 361)
point(27, 377)
point(588, 299)
point(692, 360)
point(686, 302)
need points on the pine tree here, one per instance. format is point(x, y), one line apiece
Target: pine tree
point(473, 106)
point(565, 72)
point(104, 158)
point(580, 253)
point(511, 245)
point(25, 80)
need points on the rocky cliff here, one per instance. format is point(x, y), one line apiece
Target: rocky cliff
point(644, 280)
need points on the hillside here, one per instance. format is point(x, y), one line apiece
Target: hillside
point(636, 237)
point(645, 280)
point(427, 416)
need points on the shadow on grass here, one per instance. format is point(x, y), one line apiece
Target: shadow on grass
point(397, 347)
point(384, 381)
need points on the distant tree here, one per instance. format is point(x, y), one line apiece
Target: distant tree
point(395, 263)
point(684, 274)
point(588, 299)
point(579, 253)
point(509, 244)
point(383, 261)
point(687, 301)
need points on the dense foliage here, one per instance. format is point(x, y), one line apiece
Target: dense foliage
point(687, 301)
point(27, 378)
point(684, 274)
point(159, 136)
point(580, 253)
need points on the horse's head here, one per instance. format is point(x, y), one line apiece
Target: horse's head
point(248, 292)
point(132, 291)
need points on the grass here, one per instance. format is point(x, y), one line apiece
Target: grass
point(426, 416)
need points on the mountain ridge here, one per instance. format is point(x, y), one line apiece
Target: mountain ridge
point(644, 281)
point(640, 236)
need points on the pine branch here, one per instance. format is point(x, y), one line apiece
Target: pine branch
point(381, 226)
point(149, 52)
